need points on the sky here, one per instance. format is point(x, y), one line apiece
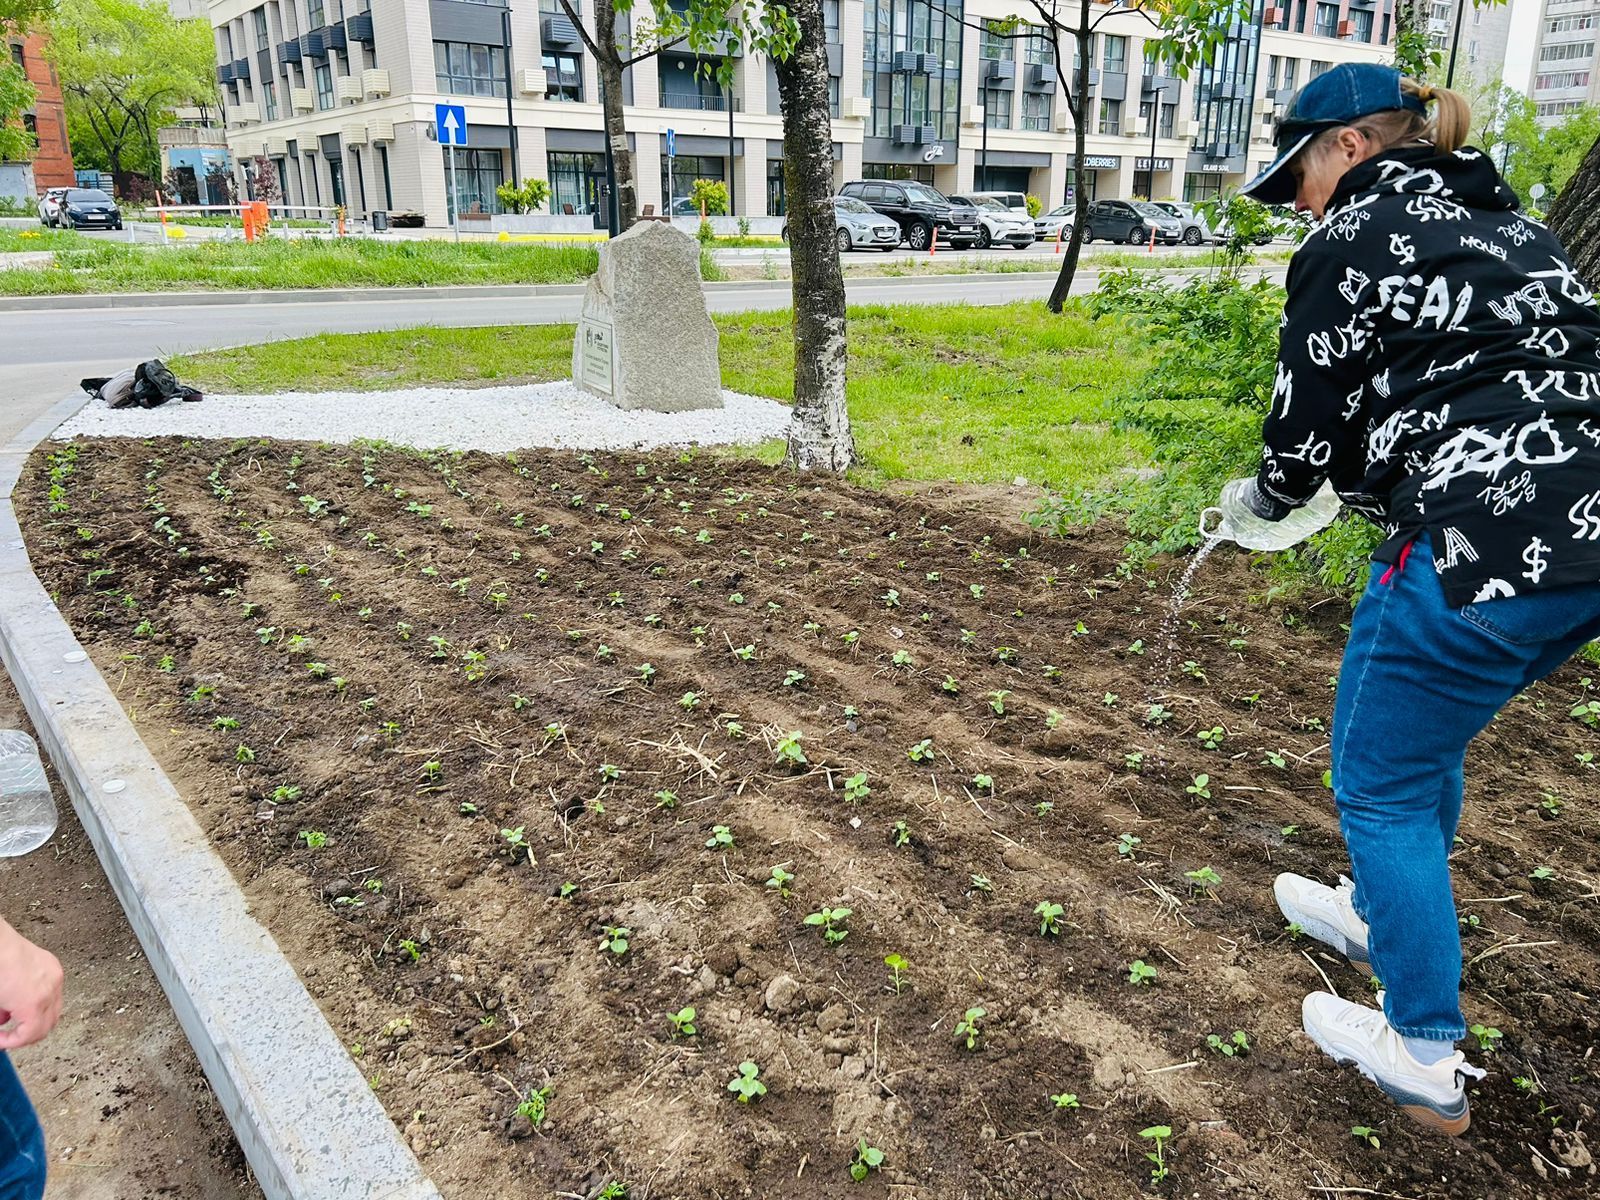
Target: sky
point(1519, 47)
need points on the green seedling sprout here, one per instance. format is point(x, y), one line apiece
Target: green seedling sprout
point(1363, 1133)
point(314, 839)
point(1237, 1043)
point(789, 751)
point(746, 1085)
point(1127, 844)
point(856, 788)
point(1201, 787)
point(1159, 1134)
point(983, 783)
point(721, 838)
point(922, 751)
point(1488, 1037)
point(533, 1106)
point(868, 1159)
point(1065, 1100)
point(615, 939)
point(1203, 880)
point(412, 948)
point(683, 1023)
point(826, 918)
point(901, 835)
point(997, 702)
point(780, 880)
point(517, 842)
point(1141, 973)
point(969, 1028)
point(1049, 918)
point(898, 967)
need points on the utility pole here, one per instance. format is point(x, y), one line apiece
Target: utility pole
point(1155, 95)
point(983, 153)
point(511, 120)
point(733, 206)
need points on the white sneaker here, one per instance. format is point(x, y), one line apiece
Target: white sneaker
point(1325, 913)
point(1435, 1096)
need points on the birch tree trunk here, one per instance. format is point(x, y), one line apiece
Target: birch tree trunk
point(819, 434)
point(1575, 217)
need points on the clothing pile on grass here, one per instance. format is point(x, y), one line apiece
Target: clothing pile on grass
point(148, 385)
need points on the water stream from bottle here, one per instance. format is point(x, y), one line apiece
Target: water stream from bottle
point(1168, 639)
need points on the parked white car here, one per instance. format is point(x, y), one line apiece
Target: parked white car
point(997, 224)
point(1047, 225)
point(50, 205)
point(1195, 229)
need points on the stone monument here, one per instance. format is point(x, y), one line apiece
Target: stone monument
point(645, 340)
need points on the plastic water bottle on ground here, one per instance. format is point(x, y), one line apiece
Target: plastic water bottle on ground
point(27, 810)
point(1230, 520)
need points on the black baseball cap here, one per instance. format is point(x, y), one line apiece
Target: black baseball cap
point(1334, 99)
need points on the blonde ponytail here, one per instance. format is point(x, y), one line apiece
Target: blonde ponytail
point(1446, 129)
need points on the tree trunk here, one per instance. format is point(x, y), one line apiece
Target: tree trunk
point(819, 433)
point(1079, 108)
point(1575, 217)
point(608, 62)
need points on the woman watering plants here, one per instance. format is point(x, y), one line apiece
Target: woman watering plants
point(1438, 369)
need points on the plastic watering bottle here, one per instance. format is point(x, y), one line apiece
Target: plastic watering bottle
point(1231, 520)
point(27, 810)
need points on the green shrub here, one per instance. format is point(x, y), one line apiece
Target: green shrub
point(710, 196)
point(1201, 404)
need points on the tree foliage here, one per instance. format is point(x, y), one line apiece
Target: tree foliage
point(1550, 156)
point(125, 65)
point(16, 93)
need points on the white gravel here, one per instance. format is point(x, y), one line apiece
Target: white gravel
point(555, 415)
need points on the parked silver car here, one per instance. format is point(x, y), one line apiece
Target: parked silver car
point(998, 225)
point(50, 204)
point(1195, 229)
point(1046, 226)
point(859, 227)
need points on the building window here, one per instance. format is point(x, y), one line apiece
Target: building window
point(1300, 17)
point(259, 16)
point(1169, 120)
point(1039, 48)
point(916, 99)
point(1327, 20)
point(830, 26)
point(324, 77)
point(269, 93)
point(1116, 54)
point(1111, 116)
point(314, 17)
point(1317, 68)
point(1561, 79)
point(833, 96)
point(478, 173)
point(470, 69)
point(563, 77)
point(997, 108)
point(1291, 70)
point(1036, 110)
point(1363, 22)
point(17, 55)
point(686, 169)
point(1200, 186)
point(576, 181)
point(776, 197)
point(996, 46)
point(1566, 51)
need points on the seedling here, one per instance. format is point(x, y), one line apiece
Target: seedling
point(1237, 1043)
point(1203, 880)
point(901, 835)
point(647, 672)
point(412, 948)
point(1136, 647)
point(950, 686)
point(224, 722)
point(721, 838)
point(1193, 670)
point(789, 752)
point(780, 880)
point(518, 843)
point(1065, 1100)
point(1110, 699)
point(1141, 973)
point(1134, 761)
point(244, 754)
point(314, 839)
point(614, 1190)
point(922, 751)
point(983, 783)
point(1157, 714)
point(997, 702)
point(1049, 918)
point(868, 1159)
point(982, 883)
point(1053, 719)
point(1159, 1135)
point(533, 1106)
point(1275, 758)
point(968, 1027)
point(902, 658)
point(1201, 787)
point(1551, 805)
point(285, 794)
point(568, 890)
point(794, 679)
point(1212, 738)
point(666, 799)
point(898, 967)
point(1127, 844)
point(827, 917)
point(1363, 1133)
point(432, 770)
point(683, 1023)
point(615, 939)
point(856, 788)
point(747, 1085)
point(1541, 873)
point(1488, 1037)
point(745, 653)
point(689, 700)
point(1289, 831)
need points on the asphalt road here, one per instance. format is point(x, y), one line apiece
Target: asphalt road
point(43, 354)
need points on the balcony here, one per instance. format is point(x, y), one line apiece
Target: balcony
point(289, 52)
point(694, 101)
point(359, 28)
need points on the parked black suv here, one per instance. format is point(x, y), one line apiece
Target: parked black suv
point(918, 210)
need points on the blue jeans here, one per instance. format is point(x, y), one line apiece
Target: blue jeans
point(21, 1140)
point(1419, 681)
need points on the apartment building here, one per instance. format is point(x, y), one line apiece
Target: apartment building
point(1563, 77)
point(1480, 39)
point(46, 117)
point(340, 95)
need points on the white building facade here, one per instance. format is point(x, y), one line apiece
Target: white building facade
point(340, 96)
point(1563, 78)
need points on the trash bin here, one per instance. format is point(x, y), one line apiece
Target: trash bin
point(380, 221)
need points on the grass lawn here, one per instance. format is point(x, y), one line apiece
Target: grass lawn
point(91, 265)
point(971, 395)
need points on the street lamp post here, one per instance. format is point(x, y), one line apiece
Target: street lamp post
point(1155, 95)
point(1455, 42)
point(983, 152)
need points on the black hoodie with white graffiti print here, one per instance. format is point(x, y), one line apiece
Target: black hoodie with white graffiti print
point(1439, 362)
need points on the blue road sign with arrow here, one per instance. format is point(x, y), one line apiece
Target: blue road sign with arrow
point(672, 143)
point(451, 120)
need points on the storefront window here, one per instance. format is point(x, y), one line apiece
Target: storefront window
point(576, 181)
point(1200, 186)
point(477, 174)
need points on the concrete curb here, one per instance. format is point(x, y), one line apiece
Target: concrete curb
point(307, 1121)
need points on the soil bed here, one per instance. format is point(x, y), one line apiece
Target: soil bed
point(411, 657)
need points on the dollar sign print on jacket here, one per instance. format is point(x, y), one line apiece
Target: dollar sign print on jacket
point(1487, 449)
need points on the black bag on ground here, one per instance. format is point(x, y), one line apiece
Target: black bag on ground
point(154, 385)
